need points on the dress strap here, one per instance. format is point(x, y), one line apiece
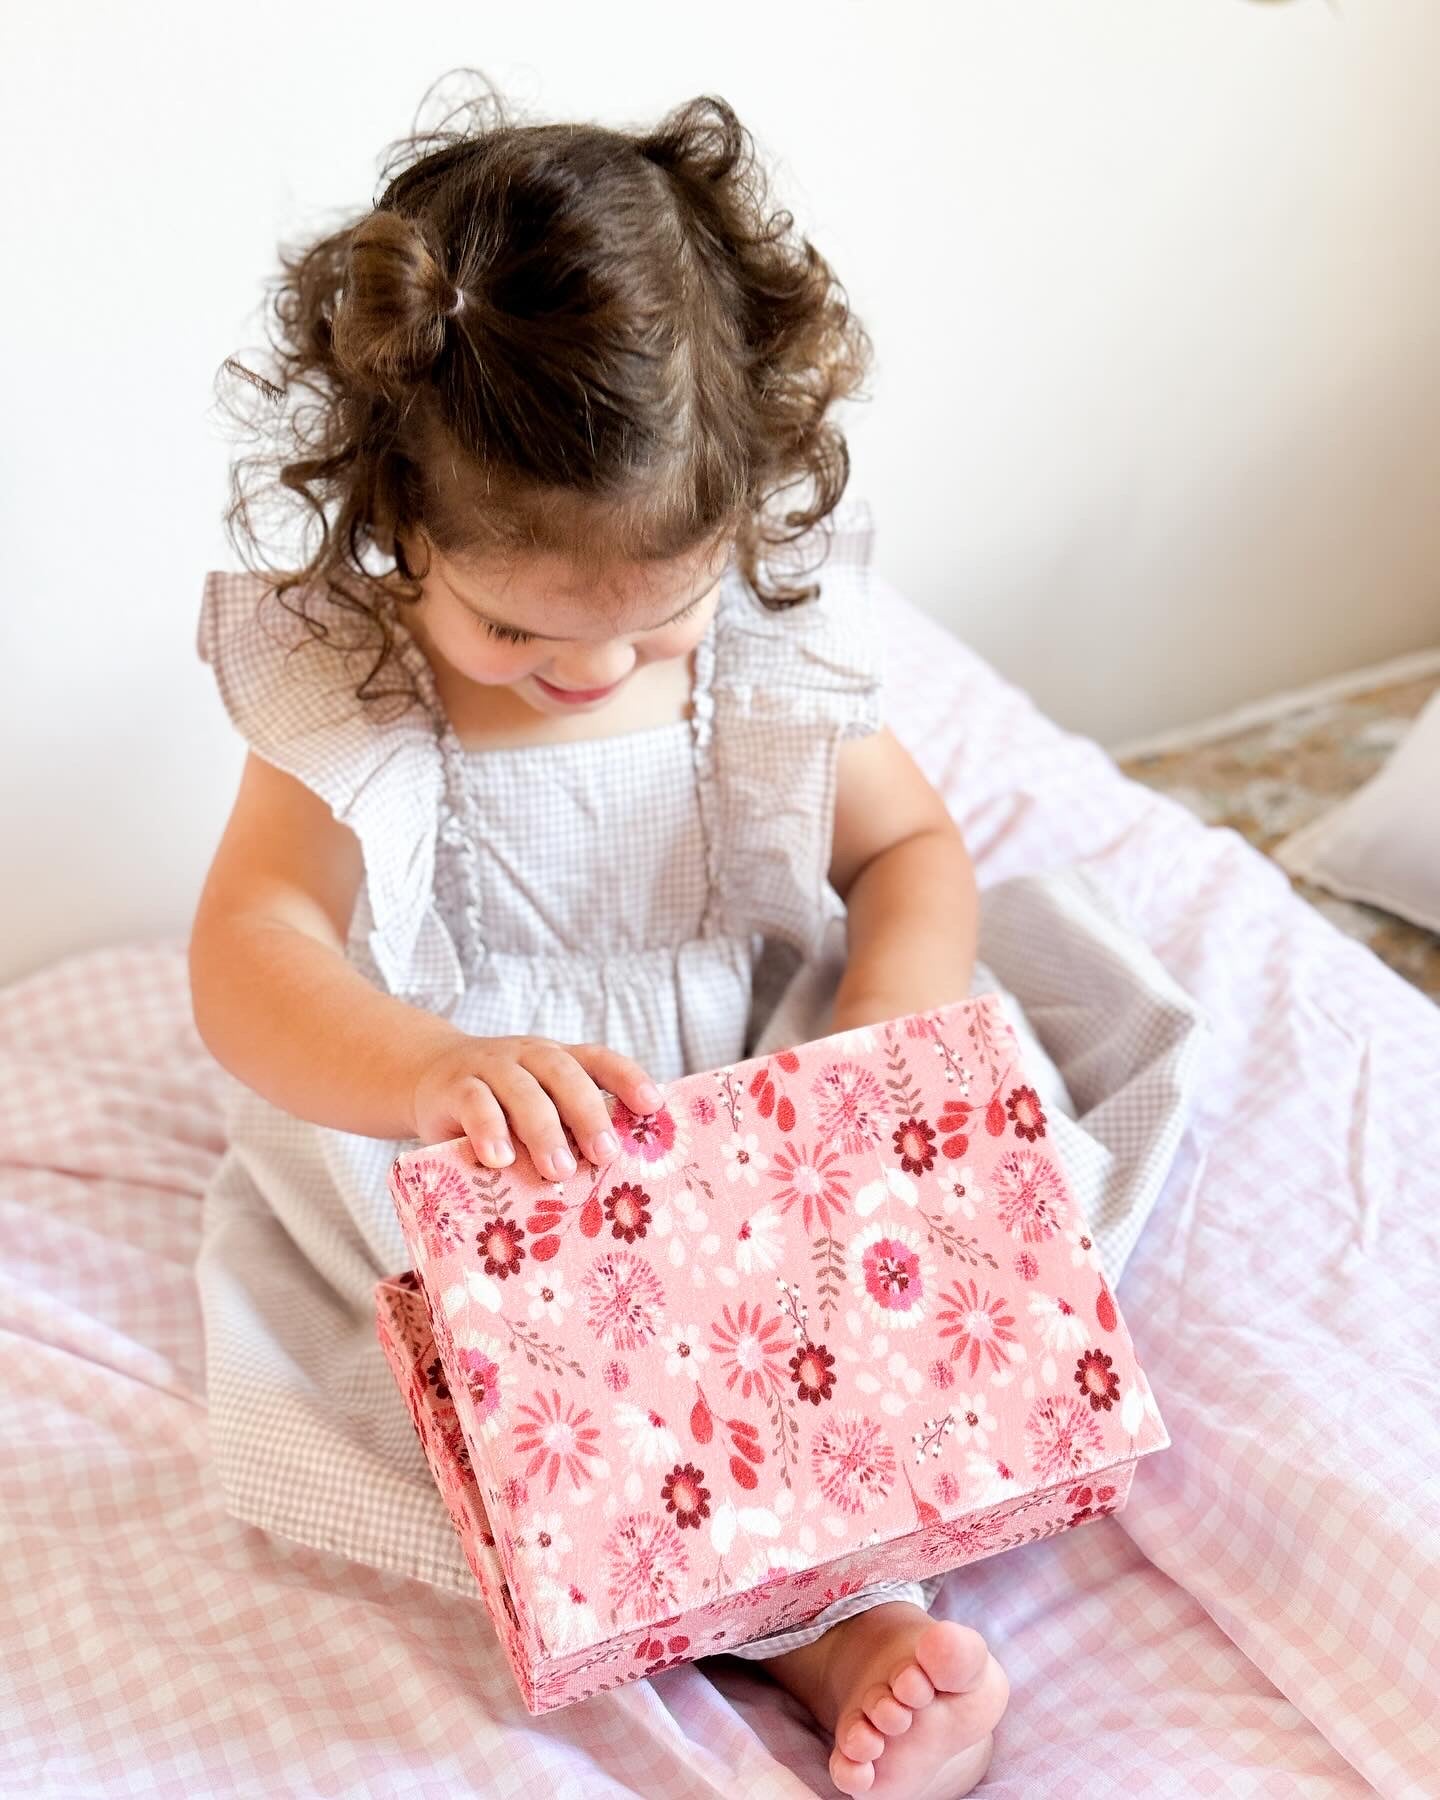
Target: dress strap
point(784, 690)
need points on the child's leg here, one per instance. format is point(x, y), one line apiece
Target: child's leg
point(911, 1701)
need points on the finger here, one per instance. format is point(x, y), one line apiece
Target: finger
point(483, 1122)
point(580, 1102)
point(534, 1120)
point(619, 1075)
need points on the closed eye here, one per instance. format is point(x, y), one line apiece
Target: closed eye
point(506, 633)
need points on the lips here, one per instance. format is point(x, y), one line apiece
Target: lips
point(575, 696)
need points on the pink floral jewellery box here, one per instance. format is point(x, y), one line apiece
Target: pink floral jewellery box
point(831, 1316)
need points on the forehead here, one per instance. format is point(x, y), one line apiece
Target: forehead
point(560, 597)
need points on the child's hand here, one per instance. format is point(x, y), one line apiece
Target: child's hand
point(473, 1088)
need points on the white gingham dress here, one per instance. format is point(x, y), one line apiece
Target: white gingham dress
point(652, 891)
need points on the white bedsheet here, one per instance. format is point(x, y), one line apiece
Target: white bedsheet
point(1264, 1619)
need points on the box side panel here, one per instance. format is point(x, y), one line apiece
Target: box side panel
point(792, 1597)
point(403, 1329)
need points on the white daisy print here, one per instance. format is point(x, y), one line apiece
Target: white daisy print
point(758, 1241)
point(962, 1192)
point(1062, 1331)
point(685, 1351)
point(744, 1159)
point(973, 1420)
point(550, 1299)
point(545, 1542)
point(648, 1440)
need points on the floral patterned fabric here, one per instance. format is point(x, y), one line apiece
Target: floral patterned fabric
point(832, 1316)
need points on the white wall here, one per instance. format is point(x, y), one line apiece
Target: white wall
point(1155, 286)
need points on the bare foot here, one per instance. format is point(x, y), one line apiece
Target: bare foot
point(912, 1701)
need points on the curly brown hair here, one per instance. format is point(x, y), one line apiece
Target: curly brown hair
point(597, 343)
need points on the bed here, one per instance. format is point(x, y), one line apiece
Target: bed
point(1264, 1619)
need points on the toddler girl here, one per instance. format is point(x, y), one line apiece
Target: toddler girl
point(551, 786)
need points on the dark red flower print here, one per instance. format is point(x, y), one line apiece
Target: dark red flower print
point(435, 1375)
point(652, 1651)
point(616, 1377)
point(1026, 1114)
point(502, 1248)
point(685, 1496)
point(915, 1145)
point(627, 1207)
point(1093, 1503)
point(408, 1279)
point(812, 1370)
point(954, 1124)
point(1094, 1379)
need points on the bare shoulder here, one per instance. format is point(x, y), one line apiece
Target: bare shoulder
point(283, 856)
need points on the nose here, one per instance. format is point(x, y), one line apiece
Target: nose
point(601, 666)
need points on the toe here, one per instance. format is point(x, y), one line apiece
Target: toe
point(849, 1776)
point(857, 1740)
point(912, 1686)
point(884, 1711)
point(952, 1656)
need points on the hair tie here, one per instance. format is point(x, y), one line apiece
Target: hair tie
point(459, 306)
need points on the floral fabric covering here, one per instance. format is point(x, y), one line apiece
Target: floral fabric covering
point(832, 1315)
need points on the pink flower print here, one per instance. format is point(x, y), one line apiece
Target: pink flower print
point(814, 1182)
point(887, 1271)
point(555, 1436)
point(751, 1349)
point(947, 1488)
point(1062, 1436)
point(1029, 1195)
point(654, 1141)
point(645, 1561)
point(441, 1201)
point(623, 1300)
point(616, 1377)
point(702, 1110)
point(1026, 1267)
point(940, 1373)
point(981, 1326)
point(481, 1374)
point(850, 1106)
point(853, 1462)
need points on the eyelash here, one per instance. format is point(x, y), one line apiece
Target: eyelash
point(509, 635)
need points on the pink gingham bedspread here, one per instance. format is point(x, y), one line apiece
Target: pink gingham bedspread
point(1264, 1619)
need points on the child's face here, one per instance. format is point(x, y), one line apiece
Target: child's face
point(562, 644)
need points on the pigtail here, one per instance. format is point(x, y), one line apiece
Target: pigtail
point(392, 315)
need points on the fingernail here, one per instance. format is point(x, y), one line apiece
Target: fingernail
point(607, 1143)
point(499, 1150)
point(648, 1094)
point(562, 1162)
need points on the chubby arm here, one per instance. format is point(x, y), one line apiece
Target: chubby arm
point(900, 865)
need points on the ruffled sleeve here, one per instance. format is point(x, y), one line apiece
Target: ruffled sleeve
point(786, 688)
point(292, 698)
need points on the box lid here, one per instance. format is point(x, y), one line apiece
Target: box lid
point(823, 1299)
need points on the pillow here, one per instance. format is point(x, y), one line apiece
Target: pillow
point(1381, 845)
